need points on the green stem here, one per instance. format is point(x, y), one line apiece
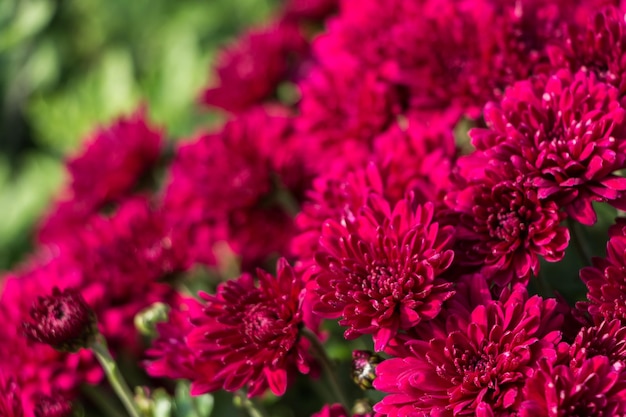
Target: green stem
point(285, 198)
point(577, 242)
point(104, 401)
point(114, 376)
point(544, 287)
point(253, 410)
point(320, 353)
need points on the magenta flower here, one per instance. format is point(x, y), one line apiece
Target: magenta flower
point(475, 365)
point(223, 187)
point(108, 168)
point(598, 47)
point(596, 388)
point(169, 355)
point(567, 137)
point(253, 332)
point(10, 398)
point(416, 156)
point(62, 320)
point(381, 271)
point(53, 406)
point(455, 55)
point(343, 108)
point(41, 369)
point(250, 70)
point(335, 196)
point(118, 264)
point(506, 227)
point(606, 283)
point(605, 339)
point(297, 10)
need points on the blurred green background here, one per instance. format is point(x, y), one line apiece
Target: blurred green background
point(68, 65)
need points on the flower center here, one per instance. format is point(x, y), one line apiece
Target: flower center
point(386, 280)
point(260, 323)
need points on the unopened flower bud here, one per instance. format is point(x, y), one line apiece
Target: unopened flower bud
point(362, 407)
point(147, 319)
point(363, 368)
point(62, 320)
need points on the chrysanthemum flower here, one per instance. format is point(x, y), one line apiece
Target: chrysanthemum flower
point(62, 320)
point(108, 168)
point(116, 264)
point(119, 263)
point(41, 369)
point(596, 388)
point(49, 406)
point(221, 183)
point(381, 272)
point(297, 10)
point(343, 108)
point(507, 227)
point(10, 398)
point(606, 283)
point(250, 70)
point(476, 365)
point(605, 339)
point(452, 54)
point(169, 355)
point(335, 195)
point(253, 330)
point(599, 47)
point(567, 137)
point(416, 155)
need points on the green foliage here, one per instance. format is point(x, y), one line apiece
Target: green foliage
point(68, 66)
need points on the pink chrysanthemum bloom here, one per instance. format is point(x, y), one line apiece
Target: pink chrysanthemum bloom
point(475, 365)
point(413, 157)
point(220, 183)
point(506, 227)
point(49, 406)
point(596, 388)
point(62, 320)
point(41, 368)
point(453, 54)
point(343, 108)
point(298, 10)
point(606, 283)
point(336, 195)
point(120, 262)
point(250, 70)
point(107, 169)
point(568, 138)
point(605, 339)
point(10, 398)
point(416, 155)
point(598, 47)
point(169, 355)
point(381, 271)
point(253, 330)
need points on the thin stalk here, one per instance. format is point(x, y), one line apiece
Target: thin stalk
point(105, 403)
point(544, 287)
point(285, 198)
point(577, 242)
point(320, 353)
point(114, 375)
point(253, 409)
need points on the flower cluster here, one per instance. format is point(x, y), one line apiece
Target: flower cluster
point(429, 160)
